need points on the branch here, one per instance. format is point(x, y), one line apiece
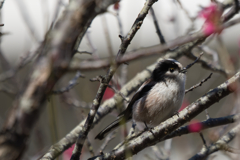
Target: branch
point(207, 64)
point(199, 84)
point(107, 107)
point(103, 85)
point(55, 55)
point(233, 11)
point(191, 64)
point(71, 84)
point(159, 33)
point(158, 133)
point(112, 103)
point(148, 51)
point(209, 123)
point(118, 92)
point(221, 144)
point(109, 137)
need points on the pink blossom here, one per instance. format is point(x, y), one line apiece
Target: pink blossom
point(68, 153)
point(195, 126)
point(109, 93)
point(212, 16)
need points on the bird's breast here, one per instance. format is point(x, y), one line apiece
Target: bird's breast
point(162, 101)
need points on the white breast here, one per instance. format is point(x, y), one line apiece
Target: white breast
point(163, 100)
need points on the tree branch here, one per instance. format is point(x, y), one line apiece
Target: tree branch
point(112, 103)
point(55, 55)
point(158, 133)
point(221, 144)
point(103, 85)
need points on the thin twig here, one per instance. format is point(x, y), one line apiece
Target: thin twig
point(69, 100)
point(207, 64)
point(118, 92)
point(191, 64)
point(221, 144)
point(109, 137)
point(71, 84)
point(203, 139)
point(13, 71)
point(84, 52)
point(232, 11)
point(107, 78)
point(207, 114)
point(159, 33)
point(211, 52)
point(91, 44)
point(119, 23)
point(199, 84)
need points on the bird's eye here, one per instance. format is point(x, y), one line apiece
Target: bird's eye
point(171, 69)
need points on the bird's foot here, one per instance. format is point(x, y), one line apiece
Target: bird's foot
point(133, 126)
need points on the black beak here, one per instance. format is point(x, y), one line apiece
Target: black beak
point(184, 70)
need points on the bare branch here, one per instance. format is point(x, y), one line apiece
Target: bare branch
point(159, 33)
point(207, 64)
point(203, 139)
point(118, 92)
point(109, 137)
point(158, 133)
point(191, 64)
point(84, 52)
point(199, 84)
point(71, 84)
point(96, 102)
point(55, 55)
point(209, 123)
point(221, 144)
point(112, 103)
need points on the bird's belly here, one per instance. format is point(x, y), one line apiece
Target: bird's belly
point(158, 105)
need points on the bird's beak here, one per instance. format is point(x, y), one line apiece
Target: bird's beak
point(184, 70)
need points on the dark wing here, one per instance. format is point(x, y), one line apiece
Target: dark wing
point(142, 91)
point(126, 115)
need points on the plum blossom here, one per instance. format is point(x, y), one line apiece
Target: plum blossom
point(212, 16)
point(195, 126)
point(68, 153)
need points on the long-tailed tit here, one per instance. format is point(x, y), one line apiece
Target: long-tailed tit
point(159, 98)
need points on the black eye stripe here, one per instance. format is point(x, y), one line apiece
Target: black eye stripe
point(163, 67)
point(166, 65)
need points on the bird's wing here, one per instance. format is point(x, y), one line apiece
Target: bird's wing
point(126, 115)
point(142, 91)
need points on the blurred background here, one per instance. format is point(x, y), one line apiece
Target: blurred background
point(25, 24)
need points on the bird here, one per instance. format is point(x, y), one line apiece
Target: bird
point(157, 99)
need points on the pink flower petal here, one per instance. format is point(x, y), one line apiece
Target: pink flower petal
point(68, 153)
point(209, 28)
point(195, 126)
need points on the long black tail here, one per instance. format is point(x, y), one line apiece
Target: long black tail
point(119, 121)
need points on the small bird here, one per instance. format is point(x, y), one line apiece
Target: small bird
point(159, 97)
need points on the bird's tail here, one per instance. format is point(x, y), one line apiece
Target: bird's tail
point(119, 121)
